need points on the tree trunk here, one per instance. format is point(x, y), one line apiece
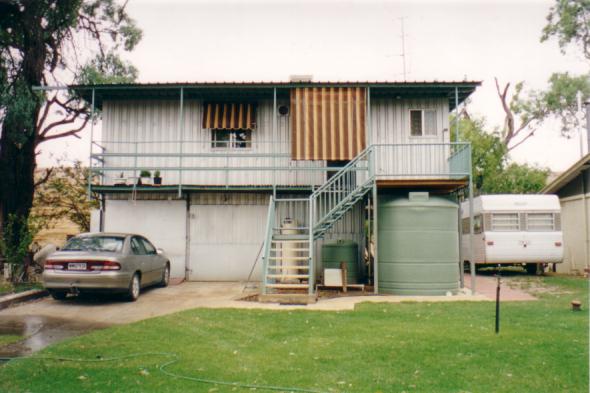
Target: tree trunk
point(17, 170)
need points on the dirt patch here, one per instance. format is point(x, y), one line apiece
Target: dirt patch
point(534, 285)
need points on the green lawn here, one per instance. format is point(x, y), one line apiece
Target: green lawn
point(8, 339)
point(7, 287)
point(407, 347)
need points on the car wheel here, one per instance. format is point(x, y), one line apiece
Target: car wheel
point(165, 276)
point(134, 288)
point(58, 295)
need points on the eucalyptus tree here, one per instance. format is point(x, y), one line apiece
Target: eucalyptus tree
point(51, 42)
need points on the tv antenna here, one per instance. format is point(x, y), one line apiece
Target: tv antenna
point(403, 54)
point(403, 47)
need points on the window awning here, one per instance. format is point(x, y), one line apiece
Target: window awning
point(327, 123)
point(231, 116)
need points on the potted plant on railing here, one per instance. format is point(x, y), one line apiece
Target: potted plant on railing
point(157, 178)
point(145, 178)
point(121, 180)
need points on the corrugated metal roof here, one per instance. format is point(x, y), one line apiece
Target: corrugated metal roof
point(278, 83)
point(257, 90)
point(567, 176)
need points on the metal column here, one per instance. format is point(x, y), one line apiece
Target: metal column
point(180, 140)
point(274, 135)
point(456, 114)
point(90, 155)
point(471, 256)
point(375, 236)
point(460, 228)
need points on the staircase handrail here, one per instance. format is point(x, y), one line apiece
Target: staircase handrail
point(270, 223)
point(341, 171)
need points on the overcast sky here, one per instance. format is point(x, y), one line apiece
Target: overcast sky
point(360, 40)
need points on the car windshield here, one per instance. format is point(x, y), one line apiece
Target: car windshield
point(95, 243)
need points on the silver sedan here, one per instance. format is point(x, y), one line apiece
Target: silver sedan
point(105, 262)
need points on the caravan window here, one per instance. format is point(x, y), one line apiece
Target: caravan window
point(477, 225)
point(540, 222)
point(505, 222)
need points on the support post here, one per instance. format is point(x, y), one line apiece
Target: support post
point(311, 248)
point(91, 140)
point(471, 253)
point(456, 114)
point(274, 137)
point(180, 140)
point(375, 241)
point(461, 259)
point(187, 240)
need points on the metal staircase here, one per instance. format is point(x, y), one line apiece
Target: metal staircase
point(288, 257)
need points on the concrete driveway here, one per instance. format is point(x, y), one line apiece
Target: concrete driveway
point(153, 302)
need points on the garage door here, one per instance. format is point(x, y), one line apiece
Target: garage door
point(162, 222)
point(224, 241)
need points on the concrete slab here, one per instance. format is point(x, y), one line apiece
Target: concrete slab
point(188, 295)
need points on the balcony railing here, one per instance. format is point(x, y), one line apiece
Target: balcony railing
point(268, 163)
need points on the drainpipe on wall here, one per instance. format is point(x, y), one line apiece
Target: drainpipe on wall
point(587, 104)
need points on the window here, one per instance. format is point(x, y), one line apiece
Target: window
point(422, 122)
point(149, 248)
point(231, 139)
point(505, 222)
point(477, 225)
point(137, 246)
point(540, 222)
point(95, 243)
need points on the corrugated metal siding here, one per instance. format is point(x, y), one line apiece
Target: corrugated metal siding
point(390, 120)
point(157, 121)
point(390, 124)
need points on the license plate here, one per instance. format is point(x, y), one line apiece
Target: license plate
point(76, 266)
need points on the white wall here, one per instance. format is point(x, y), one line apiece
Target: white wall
point(574, 219)
point(162, 222)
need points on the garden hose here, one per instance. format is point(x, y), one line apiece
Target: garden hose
point(162, 369)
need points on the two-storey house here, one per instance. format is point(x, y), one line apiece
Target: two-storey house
point(248, 168)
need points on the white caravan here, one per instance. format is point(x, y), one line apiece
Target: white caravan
point(514, 229)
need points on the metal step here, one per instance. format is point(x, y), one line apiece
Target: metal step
point(287, 275)
point(288, 258)
point(292, 267)
point(300, 238)
point(287, 286)
point(289, 249)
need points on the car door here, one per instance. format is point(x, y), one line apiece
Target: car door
point(141, 259)
point(156, 262)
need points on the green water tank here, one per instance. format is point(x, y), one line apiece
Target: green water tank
point(345, 251)
point(418, 244)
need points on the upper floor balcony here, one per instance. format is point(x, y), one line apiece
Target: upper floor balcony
point(184, 165)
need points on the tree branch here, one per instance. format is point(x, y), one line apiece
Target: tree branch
point(509, 117)
point(48, 173)
point(72, 132)
point(521, 141)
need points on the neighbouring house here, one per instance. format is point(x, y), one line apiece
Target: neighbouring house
point(573, 189)
point(257, 177)
point(57, 227)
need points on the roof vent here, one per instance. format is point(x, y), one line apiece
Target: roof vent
point(300, 78)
